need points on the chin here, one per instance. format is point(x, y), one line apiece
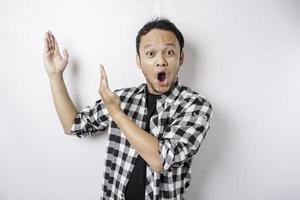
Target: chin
point(163, 89)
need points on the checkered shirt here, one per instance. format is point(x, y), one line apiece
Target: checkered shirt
point(182, 121)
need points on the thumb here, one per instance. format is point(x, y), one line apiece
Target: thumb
point(65, 55)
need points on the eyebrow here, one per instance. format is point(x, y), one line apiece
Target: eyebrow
point(167, 44)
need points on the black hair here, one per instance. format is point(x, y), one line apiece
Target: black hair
point(159, 23)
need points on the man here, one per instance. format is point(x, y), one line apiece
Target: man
point(154, 129)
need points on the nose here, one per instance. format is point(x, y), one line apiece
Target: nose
point(161, 61)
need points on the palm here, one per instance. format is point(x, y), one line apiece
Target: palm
point(53, 61)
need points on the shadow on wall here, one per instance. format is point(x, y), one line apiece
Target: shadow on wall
point(209, 153)
point(192, 58)
point(74, 84)
point(74, 76)
point(208, 157)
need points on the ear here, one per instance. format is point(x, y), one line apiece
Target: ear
point(181, 57)
point(138, 61)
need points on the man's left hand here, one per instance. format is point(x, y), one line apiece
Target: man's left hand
point(110, 99)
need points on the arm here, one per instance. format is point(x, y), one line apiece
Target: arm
point(63, 104)
point(90, 120)
point(145, 144)
point(55, 64)
point(182, 138)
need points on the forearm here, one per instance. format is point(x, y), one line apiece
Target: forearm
point(64, 106)
point(144, 143)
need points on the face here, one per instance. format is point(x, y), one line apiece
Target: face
point(159, 60)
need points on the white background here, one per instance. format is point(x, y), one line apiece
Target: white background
point(244, 56)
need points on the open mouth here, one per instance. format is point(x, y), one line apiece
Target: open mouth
point(162, 76)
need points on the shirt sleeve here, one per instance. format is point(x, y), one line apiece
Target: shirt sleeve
point(90, 120)
point(182, 138)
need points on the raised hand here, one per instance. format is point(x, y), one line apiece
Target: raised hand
point(53, 61)
point(110, 99)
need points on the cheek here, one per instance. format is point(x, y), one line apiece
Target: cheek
point(147, 67)
point(148, 62)
point(174, 62)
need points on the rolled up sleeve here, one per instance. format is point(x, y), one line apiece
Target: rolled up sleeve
point(90, 120)
point(182, 138)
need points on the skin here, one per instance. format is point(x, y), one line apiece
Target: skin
point(55, 65)
point(159, 51)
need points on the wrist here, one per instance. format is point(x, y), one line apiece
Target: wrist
point(117, 115)
point(55, 76)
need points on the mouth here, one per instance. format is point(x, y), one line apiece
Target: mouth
point(162, 78)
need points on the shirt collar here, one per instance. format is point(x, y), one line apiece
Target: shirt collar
point(169, 96)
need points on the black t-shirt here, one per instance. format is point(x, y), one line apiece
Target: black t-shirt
point(137, 182)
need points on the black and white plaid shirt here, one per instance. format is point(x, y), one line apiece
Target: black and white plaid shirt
point(182, 121)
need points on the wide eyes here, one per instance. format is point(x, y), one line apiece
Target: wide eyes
point(168, 52)
point(150, 53)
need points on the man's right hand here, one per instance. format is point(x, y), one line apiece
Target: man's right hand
point(53, 61)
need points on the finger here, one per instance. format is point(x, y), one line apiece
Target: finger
point(103, 92)
point(103, 74)
point(104, 87)
point(48, 40)
point(55, 43)
point(51, 40)
point(100, 83)
point(65, 55)
point(46, 47)
point(55, 46)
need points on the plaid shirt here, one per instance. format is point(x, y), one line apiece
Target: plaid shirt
point(182, 120)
